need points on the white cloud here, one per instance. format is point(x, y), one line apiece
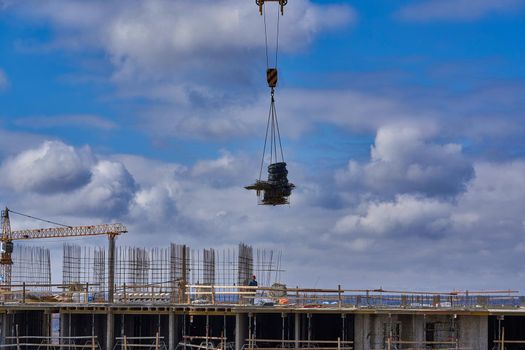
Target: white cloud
point(79, 120)
point(52, 167)
point(196, 60)
point(456, 10)
point(109, 192)
point(163, 39)
point(299, 111)
point(4, 81)
point(66, 180)
point(478, 231)
point(404, 159)
point(406, 216)
point(493, 202)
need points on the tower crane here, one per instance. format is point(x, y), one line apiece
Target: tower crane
point(8, 236)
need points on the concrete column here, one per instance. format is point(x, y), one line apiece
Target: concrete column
point(297, 329)
point(5, 328)
point(173, 325)
point(360, 331)
point(343, 327)
point(110, 330)
point(111, 273)
point(64, 325)
point(418, 327)
point(241, 330)
point(46, 324)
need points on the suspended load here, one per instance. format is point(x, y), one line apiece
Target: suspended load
point(276, 190)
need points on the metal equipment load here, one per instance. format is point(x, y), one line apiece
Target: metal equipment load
point(277, 189)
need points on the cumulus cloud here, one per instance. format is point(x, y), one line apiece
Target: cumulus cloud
point(456, 10)
point(52, 167)
point(470, 233)
point(70, 180)
point(404, 159)
point(493, 202)
point(226, 170)
point(204, 204)
point(407, 215)
point(109, 192)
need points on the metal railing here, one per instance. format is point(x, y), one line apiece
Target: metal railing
point(51, 343)
point(282, 344)
point(175, 293)
point(205, 343)
point(151, 343)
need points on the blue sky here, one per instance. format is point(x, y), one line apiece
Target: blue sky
point(402, 124)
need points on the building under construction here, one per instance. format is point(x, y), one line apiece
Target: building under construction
point(176, 297)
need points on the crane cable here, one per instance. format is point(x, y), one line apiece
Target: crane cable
point(272, 124)
point(266, 39)
point(35, 218)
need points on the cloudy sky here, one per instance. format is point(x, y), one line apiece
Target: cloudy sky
point(402, 125)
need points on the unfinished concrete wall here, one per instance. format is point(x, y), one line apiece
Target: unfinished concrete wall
point(440, 328)
point(372, 330)
point(473, 332)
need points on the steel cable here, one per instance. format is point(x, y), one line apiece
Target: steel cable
point(35, 218)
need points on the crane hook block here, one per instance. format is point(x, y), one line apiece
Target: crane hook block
point(271, 77)
point(260, 3)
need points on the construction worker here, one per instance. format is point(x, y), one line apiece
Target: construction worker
point(253, 283)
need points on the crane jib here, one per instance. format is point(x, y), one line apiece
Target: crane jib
point(75, 231)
